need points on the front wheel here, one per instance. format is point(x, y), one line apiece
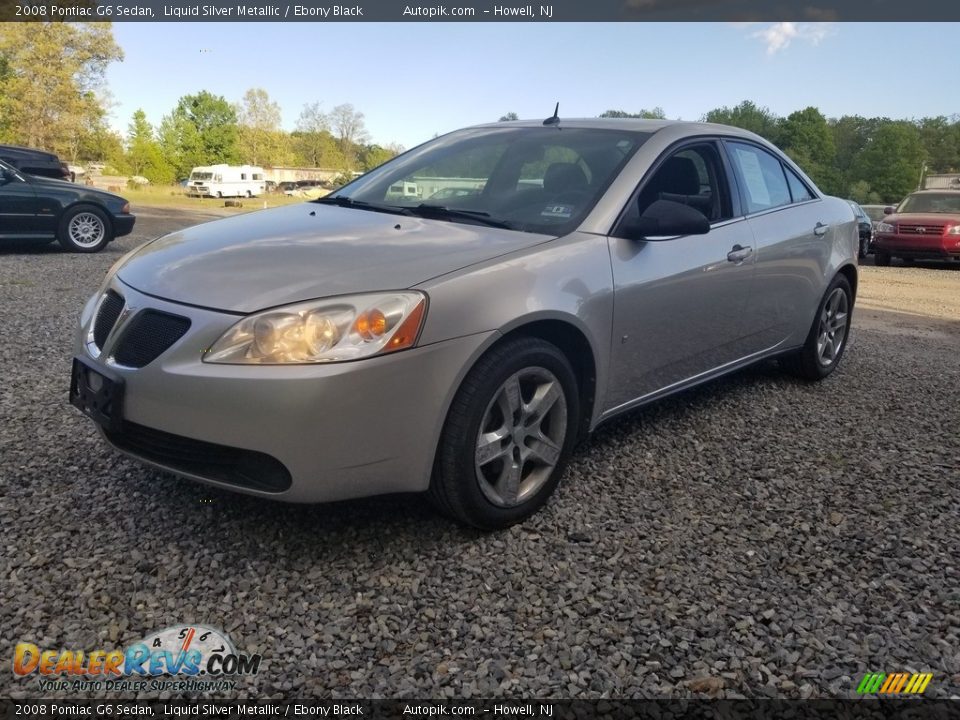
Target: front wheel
point(827, 338)
point(84, 229)
point(508, 435)
point(864, 247)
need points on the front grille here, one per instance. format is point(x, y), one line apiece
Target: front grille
point(110, 309)
point(920, 229)
point(150, 333)
point(245, 468)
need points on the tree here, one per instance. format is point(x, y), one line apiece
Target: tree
point(202, 130)
point(508, 117)
point(746, 115)
point(261, 141)
point(892, 160)
point(805, 137)
point(144, 156)
point(655, 114)
point(348, 127)
point(312, 141)
point(372, 156)
point(941, 141)
point(52, 82)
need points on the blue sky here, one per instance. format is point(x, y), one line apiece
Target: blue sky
point(413, 80)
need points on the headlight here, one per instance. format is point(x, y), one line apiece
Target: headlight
point(329, 330)
point(955, 230)
point(885, 227)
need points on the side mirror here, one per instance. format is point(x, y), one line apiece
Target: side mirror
point(888, 210)
point(667, 218)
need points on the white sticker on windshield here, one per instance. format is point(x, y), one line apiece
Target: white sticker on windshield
point(557, 211)
point(753, 177)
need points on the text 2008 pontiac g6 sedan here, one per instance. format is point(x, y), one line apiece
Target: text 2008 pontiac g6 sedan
point(380, 340)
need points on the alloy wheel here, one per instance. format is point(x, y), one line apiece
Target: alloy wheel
point(833, 327)
point(521, 437)
point(86, 230)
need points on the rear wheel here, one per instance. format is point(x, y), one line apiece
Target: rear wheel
point(881, 259)
point(827, 339)
point(84, 229)
point(508, 435)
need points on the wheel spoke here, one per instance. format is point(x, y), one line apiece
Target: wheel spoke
point(508, 484)
point(839, 321)
point(490, 446)
point(543, 399)
point(510, 400)
point(542, 449)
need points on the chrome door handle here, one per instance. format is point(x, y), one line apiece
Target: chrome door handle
point(738, 254)
point(820, 228)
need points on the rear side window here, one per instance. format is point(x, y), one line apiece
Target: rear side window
point(761, 176)
point(801, 192)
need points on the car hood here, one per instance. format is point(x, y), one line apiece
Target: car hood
point(305, 251)
point(48, 182)
point(923, 218)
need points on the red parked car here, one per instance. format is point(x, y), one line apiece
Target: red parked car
point(925, 226)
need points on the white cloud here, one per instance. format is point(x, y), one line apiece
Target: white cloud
point(778, 36)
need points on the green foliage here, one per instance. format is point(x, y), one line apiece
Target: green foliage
point(201, 130)
point(52, 82)
point(805, 136)
point(746, 115)
point(144, 155)
point(892, 160)
point(655, 114)
point(508, 117)
point(372, 156)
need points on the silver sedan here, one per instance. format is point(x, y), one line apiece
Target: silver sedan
point(380, 340)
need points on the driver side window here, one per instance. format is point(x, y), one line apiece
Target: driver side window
point(693, 176)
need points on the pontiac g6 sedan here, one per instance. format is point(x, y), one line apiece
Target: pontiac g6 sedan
point(370, 342)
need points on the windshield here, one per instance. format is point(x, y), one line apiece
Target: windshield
point(201, 176)
point(536, 179)
point(931, 203)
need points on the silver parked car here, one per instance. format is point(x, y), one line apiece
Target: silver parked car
point(371, 343)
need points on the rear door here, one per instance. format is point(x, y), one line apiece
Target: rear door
point(679, 302)
point(793, 241)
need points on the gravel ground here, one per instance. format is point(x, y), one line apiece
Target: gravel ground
point(755, 537)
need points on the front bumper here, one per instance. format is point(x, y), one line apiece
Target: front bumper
point(123, 224)
point(341, 430)
point(918, 246)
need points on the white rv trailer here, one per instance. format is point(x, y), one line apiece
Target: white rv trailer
point(226, 181)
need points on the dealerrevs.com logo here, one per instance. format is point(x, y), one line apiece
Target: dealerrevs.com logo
point(204, 659)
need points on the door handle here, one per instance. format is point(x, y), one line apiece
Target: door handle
point(739, 253)
point(820, 228)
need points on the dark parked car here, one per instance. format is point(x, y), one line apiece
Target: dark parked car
point(865, 230)
point(35, 162)
point(81, 218)
point(925, 226)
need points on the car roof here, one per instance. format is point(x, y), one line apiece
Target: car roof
point(17, 150)
point(633, 124)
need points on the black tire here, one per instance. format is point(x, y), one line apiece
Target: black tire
point(84, 229)
point(461, 486)
point(864, 248)
point(881, 259)
point(808, 362)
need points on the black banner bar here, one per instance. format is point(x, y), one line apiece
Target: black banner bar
point(918, 709)
point(476, 10)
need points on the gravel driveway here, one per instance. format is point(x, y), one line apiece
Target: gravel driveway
point(756, 536)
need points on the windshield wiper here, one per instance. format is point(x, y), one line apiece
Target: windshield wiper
point(344, 201)
point(442, 211)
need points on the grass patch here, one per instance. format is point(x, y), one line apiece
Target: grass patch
point(174, 197)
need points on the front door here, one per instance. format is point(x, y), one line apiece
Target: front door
point(679, 302)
